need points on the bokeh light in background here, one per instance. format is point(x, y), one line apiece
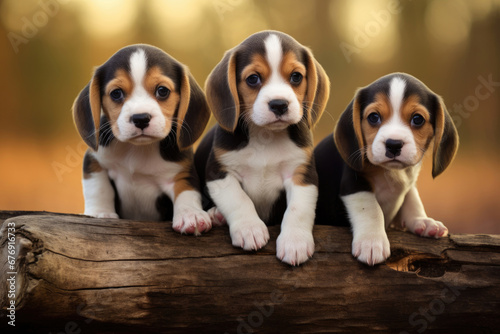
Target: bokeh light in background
point(48, 49)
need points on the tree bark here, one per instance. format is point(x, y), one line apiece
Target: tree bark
point(76, 274)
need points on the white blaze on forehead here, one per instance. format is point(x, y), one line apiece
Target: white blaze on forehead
point(274, 53)
point(138, 67)
point(396, 93)
point(275, 87)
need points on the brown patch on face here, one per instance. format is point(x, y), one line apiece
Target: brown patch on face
point(289, 65)
point(153, 79)
point(112, 109)
point(249, 94)
point(382, 106)
point(422, 134)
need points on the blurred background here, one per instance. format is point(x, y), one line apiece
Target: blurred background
point(48, 49)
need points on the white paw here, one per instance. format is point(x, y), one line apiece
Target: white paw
point(294, 246)
point(427, 227)
point(191, 221)
point(371, 248)
point(113, 215)
point(249, 235)
point(216, 217)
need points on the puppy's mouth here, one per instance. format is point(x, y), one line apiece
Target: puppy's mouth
point(143, 139)
point(278, 124)
point(395, 164)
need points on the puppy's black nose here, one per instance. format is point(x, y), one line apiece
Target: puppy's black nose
point(141, 120)
point(393, 148)
point(278, 107)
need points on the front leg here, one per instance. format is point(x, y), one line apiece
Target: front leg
point(369, 244)
point(295, 244)
point(247, 230)
point(413, 216)
point(98, 192)
point(189, 217)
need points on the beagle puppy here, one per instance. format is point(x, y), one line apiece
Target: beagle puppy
point(140, 115)
point(368, 169)
point(266, 94)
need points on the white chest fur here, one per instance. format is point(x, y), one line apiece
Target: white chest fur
point(263, 165)
point(140, 175)
point(391, 187)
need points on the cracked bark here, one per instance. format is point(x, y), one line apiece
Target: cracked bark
point(101, 275)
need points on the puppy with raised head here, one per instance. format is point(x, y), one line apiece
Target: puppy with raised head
point(140, 115)
point(368, 169)
point(266, 94)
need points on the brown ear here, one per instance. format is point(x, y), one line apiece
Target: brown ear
point(318, 89)
point(348, 136)
point(445, 140)
point(87, 113)
point(193, 113)
point(222, 92)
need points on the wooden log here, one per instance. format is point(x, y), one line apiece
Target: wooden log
point(82, 275)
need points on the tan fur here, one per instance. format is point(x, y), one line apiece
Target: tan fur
point(318, 89)
point(289, 65)
point(382, 106)
point(258, 66)
point(182, 178)
point(184, 102)
point(299, 175)
point(93, 167)
point(155, 78)
point(112, 109)
point(423, 135)
point(356, 120)
point(95, 106)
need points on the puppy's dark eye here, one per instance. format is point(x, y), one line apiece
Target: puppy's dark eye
point(296, 78)
point(374, 118)
point(417, 120)
point(116, 95)
point(253, 80)
point(162, 92)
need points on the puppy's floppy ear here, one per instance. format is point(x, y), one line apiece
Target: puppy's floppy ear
point(222, 92)
point(87, 112)
point(348, 136)
point(445, 139)
point(193, 112)
point(318, 89)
